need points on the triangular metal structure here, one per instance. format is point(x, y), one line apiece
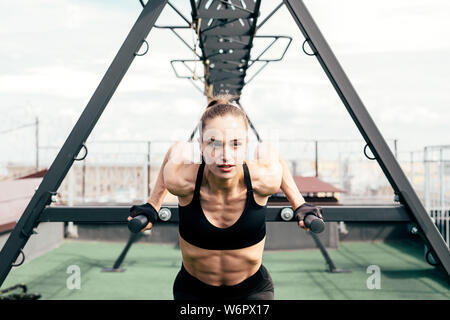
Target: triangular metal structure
point(236, 20)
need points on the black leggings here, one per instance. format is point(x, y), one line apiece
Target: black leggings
point(259, 286)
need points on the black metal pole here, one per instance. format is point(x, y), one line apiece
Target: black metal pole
point(270, 15)
point(116, 268)
point(119, 214)
point(331, 267)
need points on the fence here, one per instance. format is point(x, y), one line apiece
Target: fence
point(436, 186)
point(124, 172)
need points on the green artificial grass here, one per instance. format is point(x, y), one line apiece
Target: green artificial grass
point(297, 274)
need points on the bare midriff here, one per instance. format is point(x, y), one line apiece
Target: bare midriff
point(221, 267)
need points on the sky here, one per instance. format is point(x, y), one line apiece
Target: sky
point(53, 54)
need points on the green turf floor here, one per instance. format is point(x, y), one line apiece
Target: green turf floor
point(297, 274)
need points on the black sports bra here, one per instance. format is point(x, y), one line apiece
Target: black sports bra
point(248, 230)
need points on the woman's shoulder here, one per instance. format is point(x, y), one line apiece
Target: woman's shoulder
point(181, 181)
point(265, 176)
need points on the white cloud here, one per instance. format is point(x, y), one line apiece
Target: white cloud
point(54, 54)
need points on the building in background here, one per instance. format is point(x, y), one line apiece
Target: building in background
point(313, 190)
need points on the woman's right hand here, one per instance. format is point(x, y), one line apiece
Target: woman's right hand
point(147, 227)
point(146, 210)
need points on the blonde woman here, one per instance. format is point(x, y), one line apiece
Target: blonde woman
point(222, 207)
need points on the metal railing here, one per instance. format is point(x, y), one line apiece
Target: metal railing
point(118, 172)
point(437, 187)
point(125, 171)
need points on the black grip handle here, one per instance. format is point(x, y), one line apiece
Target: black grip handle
point(138, 223)
point(314, 223)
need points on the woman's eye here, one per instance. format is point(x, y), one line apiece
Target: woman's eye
point(218, 144)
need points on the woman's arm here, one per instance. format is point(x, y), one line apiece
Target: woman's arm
point(267, 173)
point(173, 175)
point(159, 190)
point(268, 157)
point(289, 187)
point(177, 174)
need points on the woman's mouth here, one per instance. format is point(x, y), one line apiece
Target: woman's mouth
point(226, 167)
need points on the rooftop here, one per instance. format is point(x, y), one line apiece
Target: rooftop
point(297, 274)
point(313, 185)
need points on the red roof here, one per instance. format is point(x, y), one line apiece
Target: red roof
point(37, 174)
point(313, 185)
point(14, 198)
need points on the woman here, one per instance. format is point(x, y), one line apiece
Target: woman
point(222, 204)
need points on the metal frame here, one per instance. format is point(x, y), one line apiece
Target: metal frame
point(369, 130)
point(226, 53)
point(119, 214)
point(38, 208)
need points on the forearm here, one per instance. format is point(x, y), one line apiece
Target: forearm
point(289, 187)
point(159, 191)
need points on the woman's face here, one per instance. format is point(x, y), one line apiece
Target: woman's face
point(224, 145)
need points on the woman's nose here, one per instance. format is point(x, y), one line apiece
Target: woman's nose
point(227, 154)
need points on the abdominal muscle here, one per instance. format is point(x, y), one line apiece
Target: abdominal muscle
point(221, 267)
